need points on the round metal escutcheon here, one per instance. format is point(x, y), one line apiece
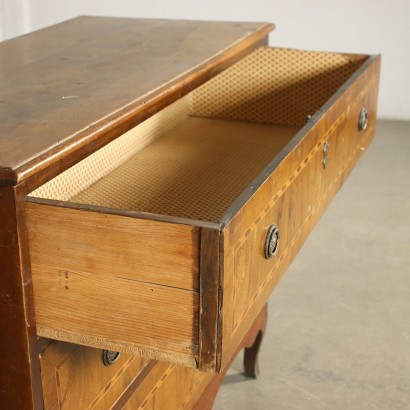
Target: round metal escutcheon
point(110, 357)
point(363, 119)
point(272, 241)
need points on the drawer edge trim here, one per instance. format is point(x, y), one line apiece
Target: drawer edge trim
point(127, 348)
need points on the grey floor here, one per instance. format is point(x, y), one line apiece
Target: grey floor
point(339, 321)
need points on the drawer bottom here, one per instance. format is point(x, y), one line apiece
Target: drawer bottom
point(197, 170)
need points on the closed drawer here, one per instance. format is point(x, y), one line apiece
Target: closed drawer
point(155, 244)
point(75, 375)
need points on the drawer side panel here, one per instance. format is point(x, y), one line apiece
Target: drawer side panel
point(89, 285)
point(131, 248)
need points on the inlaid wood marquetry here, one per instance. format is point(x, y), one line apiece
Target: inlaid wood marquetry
point(143, 166)
point(293, 201)
point(185, 214)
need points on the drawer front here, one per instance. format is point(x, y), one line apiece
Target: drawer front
point(292, 198)
point(73, 375)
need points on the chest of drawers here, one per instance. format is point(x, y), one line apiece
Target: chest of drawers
point(157, 179)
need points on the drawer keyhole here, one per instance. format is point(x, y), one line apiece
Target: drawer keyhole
point(363, 119)
point(110, 357)
point(272, 241)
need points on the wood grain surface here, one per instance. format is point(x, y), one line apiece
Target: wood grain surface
point(295, 194)
point(185, 292)
point(71, 372)
point(20, 385)
point(64, 99)
point(100, 281)
point(103, 244)
point(174, 387)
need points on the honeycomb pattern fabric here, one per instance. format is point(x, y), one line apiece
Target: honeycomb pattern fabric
point(195, 171)
point(80, 176)
point(194, 158)
point(279, 86)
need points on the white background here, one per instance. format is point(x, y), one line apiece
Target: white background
point(361, 26)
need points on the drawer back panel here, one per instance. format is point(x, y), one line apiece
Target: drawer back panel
point(275, 86)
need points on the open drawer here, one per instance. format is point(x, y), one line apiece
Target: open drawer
point(168, 241)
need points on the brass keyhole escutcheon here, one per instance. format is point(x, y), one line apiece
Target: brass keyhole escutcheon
point(110, 357)
point(325, 151)
point(363, 119)
point(272, 241)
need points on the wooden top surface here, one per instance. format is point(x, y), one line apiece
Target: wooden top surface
point(61, 84)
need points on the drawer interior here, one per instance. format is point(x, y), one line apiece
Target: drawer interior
point(194, 158)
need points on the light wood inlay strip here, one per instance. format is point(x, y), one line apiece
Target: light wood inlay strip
point(192, 392)
point(157, 385)
point(104, 390)
point(302, 165)
point(295, 238)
